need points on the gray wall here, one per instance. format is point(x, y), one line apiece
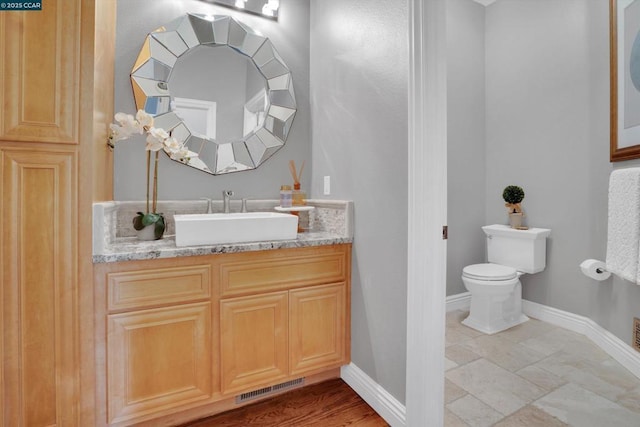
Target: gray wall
point(547, 130)
point(465, 138)
point(359, 71)
point(290, 35)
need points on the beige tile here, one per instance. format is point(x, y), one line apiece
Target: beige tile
point(586, 349)
point(504, 353)
point(503, 374)
point(449, 364)
point(530, 416)
point(452, 420)
point(455, 336)
point(571, 368)
point(541, 377)
point(614, 373)
point(456, 332)
point(454, 322)
point(630, 400)
point(460, 354)
point(452, 391)
point(576, 406)
point(558, 362)
point(474, 412)
point(527, 330)
point(502, 390)
point(560, 339)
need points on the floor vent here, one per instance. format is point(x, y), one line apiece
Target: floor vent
point(636, 333)
point(269, 390)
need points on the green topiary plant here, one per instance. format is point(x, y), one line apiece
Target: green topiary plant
point(513, 195)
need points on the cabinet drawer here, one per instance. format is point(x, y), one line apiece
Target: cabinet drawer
point(283, 269)
point(147, 288)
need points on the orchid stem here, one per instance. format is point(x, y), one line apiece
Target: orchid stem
point(155, 182)
point(148, 170)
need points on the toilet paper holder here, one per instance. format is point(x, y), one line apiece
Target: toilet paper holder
point(595, 269)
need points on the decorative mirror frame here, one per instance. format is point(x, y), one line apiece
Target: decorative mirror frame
point(150, 76)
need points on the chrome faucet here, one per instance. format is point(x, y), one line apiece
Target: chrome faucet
point(226, 196)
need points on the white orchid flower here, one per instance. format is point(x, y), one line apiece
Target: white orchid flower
point(118, 133)
point(156, 138)
point(179, 154)
point(172, 145)
point(175, 148)
point(128, 123)
point(144, 119)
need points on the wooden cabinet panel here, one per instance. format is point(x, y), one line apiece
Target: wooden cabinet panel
point(317, 324)
point(39, 322)
point(146, 288)
point(39, 73)
point(158, 360)
point(55, 98)
point(282, 269)
point(253, 335)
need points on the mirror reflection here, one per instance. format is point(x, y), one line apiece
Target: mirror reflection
point(220, 87)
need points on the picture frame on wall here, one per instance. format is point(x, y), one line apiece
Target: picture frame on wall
point(624, 33)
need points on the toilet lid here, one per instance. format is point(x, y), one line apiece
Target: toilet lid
point(489, 272)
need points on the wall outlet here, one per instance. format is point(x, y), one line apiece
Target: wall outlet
point(327, 185)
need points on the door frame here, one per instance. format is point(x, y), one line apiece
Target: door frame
point(427, 213)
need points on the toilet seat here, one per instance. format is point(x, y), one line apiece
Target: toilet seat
point(489, 272)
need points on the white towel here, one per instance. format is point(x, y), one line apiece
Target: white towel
point(623, 236)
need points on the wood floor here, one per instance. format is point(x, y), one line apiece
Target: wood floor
point(328, 404)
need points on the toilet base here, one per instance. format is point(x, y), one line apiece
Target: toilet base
point(495, 327)
point(494, 307)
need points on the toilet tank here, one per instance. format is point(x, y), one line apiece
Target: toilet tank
point(524, 250)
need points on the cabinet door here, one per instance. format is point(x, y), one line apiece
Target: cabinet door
point(38, 289)
point(158, 360)
point(317, 325)
point(253, 339)
point(40, 73)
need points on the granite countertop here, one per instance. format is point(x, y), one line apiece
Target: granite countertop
point(132, 249)
point(328, 223)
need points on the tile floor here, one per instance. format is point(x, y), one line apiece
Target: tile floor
point(534, 375)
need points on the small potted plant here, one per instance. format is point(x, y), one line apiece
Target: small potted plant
point(513, 196)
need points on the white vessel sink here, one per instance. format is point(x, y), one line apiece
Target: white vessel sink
point(211, 229)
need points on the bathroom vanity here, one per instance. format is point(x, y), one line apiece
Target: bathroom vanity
point(209, 328)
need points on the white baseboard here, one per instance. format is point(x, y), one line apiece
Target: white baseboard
point(620, 351)
point(459, 301)
point(387, 406)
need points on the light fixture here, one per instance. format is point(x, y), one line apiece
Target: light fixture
point(266, 8)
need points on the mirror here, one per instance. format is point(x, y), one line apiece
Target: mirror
point(218, 86)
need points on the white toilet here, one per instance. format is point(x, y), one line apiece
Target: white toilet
point(496, 291)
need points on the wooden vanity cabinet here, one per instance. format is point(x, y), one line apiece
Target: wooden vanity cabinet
point(184, 336)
